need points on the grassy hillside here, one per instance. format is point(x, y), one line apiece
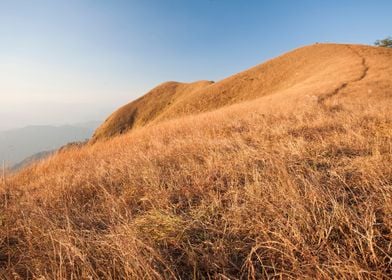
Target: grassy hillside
point(289, 179)
point(146, 109)
point(314, 70)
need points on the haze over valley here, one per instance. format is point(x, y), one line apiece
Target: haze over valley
point(18, 144)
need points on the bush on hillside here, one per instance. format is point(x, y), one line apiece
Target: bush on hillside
point(387, 42)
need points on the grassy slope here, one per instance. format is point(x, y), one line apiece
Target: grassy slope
point(145, 109)
point(314, 69)
point(295, 184)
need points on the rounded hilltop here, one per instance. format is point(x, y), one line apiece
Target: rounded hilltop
point(147, 108)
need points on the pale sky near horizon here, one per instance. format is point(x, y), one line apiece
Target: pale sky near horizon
point(68, 61)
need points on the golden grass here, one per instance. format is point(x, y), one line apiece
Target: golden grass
point(146, 108)
point(312, 70)
point(285, 187)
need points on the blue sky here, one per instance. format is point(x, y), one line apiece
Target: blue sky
point(65, 61)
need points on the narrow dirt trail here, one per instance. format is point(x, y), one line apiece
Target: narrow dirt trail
point(365, 68)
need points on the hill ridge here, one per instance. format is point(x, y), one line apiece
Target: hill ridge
point(303, 69)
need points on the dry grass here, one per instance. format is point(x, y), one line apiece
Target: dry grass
point(264, 189)
point(146, 109)
point(312, 70)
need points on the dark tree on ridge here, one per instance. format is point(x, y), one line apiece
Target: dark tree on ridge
point(387, 42)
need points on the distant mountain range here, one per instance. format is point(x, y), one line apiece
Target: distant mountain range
point(33, 142)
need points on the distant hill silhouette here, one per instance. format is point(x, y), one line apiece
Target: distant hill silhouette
point(18, 144)
point(32, 159)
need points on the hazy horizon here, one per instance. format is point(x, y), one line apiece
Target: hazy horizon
point(77, 61)
point(19, 144)
point(55, 125)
